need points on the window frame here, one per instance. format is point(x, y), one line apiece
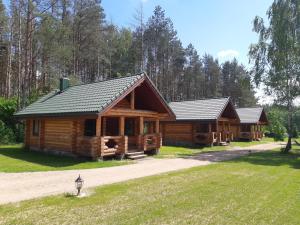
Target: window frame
point(35, 128)
point(129, 129)
point(90, 128)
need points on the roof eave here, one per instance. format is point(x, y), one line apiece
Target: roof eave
point(67, 114)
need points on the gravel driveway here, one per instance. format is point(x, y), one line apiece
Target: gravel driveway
point(21, 186)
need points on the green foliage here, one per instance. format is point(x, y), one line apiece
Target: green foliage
point(10, 130)
point(276, 57)
point(237, 84)
point(276, 125)
point(7, 108)
point(73, 39)
point(6, 134)
point(295, 132)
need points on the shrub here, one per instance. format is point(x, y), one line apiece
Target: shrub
point(6, 134)
point(295, 132)
point(10, 130)
point(276, 127)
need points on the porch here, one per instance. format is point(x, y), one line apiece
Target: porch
point(251, 132)
point(123, 135)
point(213, 133)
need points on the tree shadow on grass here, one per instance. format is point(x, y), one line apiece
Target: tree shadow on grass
point(271, 158)
point(40, 158)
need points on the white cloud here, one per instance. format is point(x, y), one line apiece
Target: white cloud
point(264, 99)
point(229, 53)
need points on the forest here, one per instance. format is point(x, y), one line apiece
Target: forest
point(43, 40)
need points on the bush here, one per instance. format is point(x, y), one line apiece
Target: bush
point(6, 134)
point(276, 127)
point(295, 133)
point(10, 130)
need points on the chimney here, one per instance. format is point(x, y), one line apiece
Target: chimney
point(64, 84)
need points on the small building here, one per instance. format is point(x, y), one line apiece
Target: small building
point(252, 122)
point(207, 121)
point(100, 119)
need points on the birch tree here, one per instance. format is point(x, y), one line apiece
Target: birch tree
point(276, 55)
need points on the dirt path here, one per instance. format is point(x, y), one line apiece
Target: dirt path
point(21, 186)
point(235, 152)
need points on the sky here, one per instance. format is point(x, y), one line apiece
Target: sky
point(222, 28)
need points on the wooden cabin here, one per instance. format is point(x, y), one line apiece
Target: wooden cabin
point(114, 117)
point(252, 122)
point(207, 122)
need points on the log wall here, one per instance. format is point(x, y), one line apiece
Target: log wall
point(63, 136)
point(58, 135)
point(177, 133)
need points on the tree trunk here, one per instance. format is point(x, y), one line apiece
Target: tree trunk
point(288, 146)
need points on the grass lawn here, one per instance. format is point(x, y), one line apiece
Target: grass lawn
point(14, 158)
point(173, 151)
point(263, 188)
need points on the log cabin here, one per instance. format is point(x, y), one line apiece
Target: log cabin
point(116, 117)
point(207, 121)
point(251, 124)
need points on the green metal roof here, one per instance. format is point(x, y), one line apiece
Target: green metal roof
point(204, 109)
point(81, 99)
point(250, 115)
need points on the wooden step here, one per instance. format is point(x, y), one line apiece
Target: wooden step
point(134, 153)
point(139, 156)
point(223, 143)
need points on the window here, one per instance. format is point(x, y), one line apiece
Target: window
point(35, 127)
point(245, 128)
point(90, 128)
point(148, 127)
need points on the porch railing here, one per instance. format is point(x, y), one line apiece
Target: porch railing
point(112, 145)
point(206, 138)
point(151, 142)
point(246, 135)
point(227, 136)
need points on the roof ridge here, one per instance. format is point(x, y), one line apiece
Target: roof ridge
point(221, 110)
point(254, 107)
point(109, 79)
point(120, 93)
point(201, 99)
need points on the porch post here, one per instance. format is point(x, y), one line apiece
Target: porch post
point(141, 125)
point(218, 132)
point(229, 133)
point(104, 126)
point(122, 126)
point(223, 132)
point(156, 125)
point(210, 135)
point(140, 133)
point(99, 149)
point(98, 126)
